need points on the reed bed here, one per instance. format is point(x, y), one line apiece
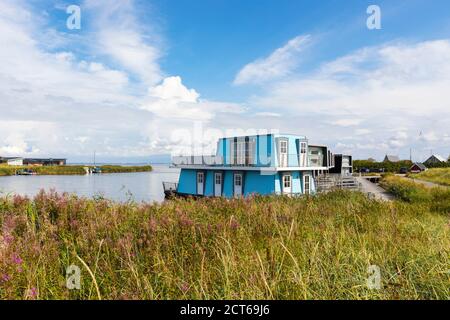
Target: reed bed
point(436, 175)
point(6, 170)
point(255, 248)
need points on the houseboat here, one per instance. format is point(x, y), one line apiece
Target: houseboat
point(245, 165)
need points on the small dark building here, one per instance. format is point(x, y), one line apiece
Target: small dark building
point(343, 164)
point(418, 167)
point(44, 162)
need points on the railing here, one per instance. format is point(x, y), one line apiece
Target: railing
point(316, 160)
point(197, 160)
point(336, 181)
point(170, 186)
point(286, 160)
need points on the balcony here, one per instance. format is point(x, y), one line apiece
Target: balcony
point(316, 160)
point(263, 161)
point(197, 161)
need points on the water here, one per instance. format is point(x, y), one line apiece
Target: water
point(139, 186)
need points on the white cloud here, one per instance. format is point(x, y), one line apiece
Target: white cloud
point(121, 37)
point(383, 89)
point(171, 99)
point(346, 122)
point(278, 64)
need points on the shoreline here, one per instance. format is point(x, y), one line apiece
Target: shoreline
point(73, 169)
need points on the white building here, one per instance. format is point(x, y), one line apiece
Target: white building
point(12, 161)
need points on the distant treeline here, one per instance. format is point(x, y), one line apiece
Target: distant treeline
point(392, 166)
point(387, 166)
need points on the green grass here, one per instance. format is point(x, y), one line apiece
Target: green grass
point(436, 198)
point(257, 248)
point(437, 175)
point(6, 170)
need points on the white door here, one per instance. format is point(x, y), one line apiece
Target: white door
point(218, 184)
point(283, 153)
point(307, 184)
point(287, 184)
point(303, 154)
point(200, 182)
point(238, 184)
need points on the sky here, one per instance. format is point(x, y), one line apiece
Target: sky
point(141, 80)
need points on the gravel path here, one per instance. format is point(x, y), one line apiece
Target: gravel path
point(374, 189)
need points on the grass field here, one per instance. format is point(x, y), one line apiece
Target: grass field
point(6, 170)
point(258, 248)
point(437, 175)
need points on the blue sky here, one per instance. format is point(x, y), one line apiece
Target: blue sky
point(141, 76)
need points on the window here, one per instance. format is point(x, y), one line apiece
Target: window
point(287, 181)
point(218, 178)
point(238, 180)
point(240, 152)
point(200, 177)
point(303, 147)
point(283, 146)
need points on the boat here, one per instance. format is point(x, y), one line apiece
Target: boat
point(260, 164)
point(25, 172)
point(95, 170)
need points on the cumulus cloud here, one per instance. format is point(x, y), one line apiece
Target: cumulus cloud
point(384, 89)
point(276, 65)
point(57, 102)
point(171, 99)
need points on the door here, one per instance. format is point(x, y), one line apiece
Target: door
point(287, 184)
point(200, 182)
point(218, 184)
point(283, 153)
point(238, 184)
point(307, 184)
point(303, 155)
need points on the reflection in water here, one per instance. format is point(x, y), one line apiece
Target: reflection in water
point(139, 186)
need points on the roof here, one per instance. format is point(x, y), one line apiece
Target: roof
point(44, 159)
point(420, 165)
point(10, 158)
point(392, 158)
point(440, 158)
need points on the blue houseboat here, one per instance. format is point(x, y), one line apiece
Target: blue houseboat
point(260, 164)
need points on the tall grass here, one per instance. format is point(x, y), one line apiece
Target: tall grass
point(437, 175)
point(436, 199)
point(256, 248)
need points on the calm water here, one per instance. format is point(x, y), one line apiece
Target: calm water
point(139, 186)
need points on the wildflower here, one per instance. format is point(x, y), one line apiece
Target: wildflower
point(184, 287)
point(5, 277)
point(32, 293)
point(16, 259)
point(152, 225)
point(186, 221)
point(234, 224)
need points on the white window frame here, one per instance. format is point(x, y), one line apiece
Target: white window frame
point(306, 190)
